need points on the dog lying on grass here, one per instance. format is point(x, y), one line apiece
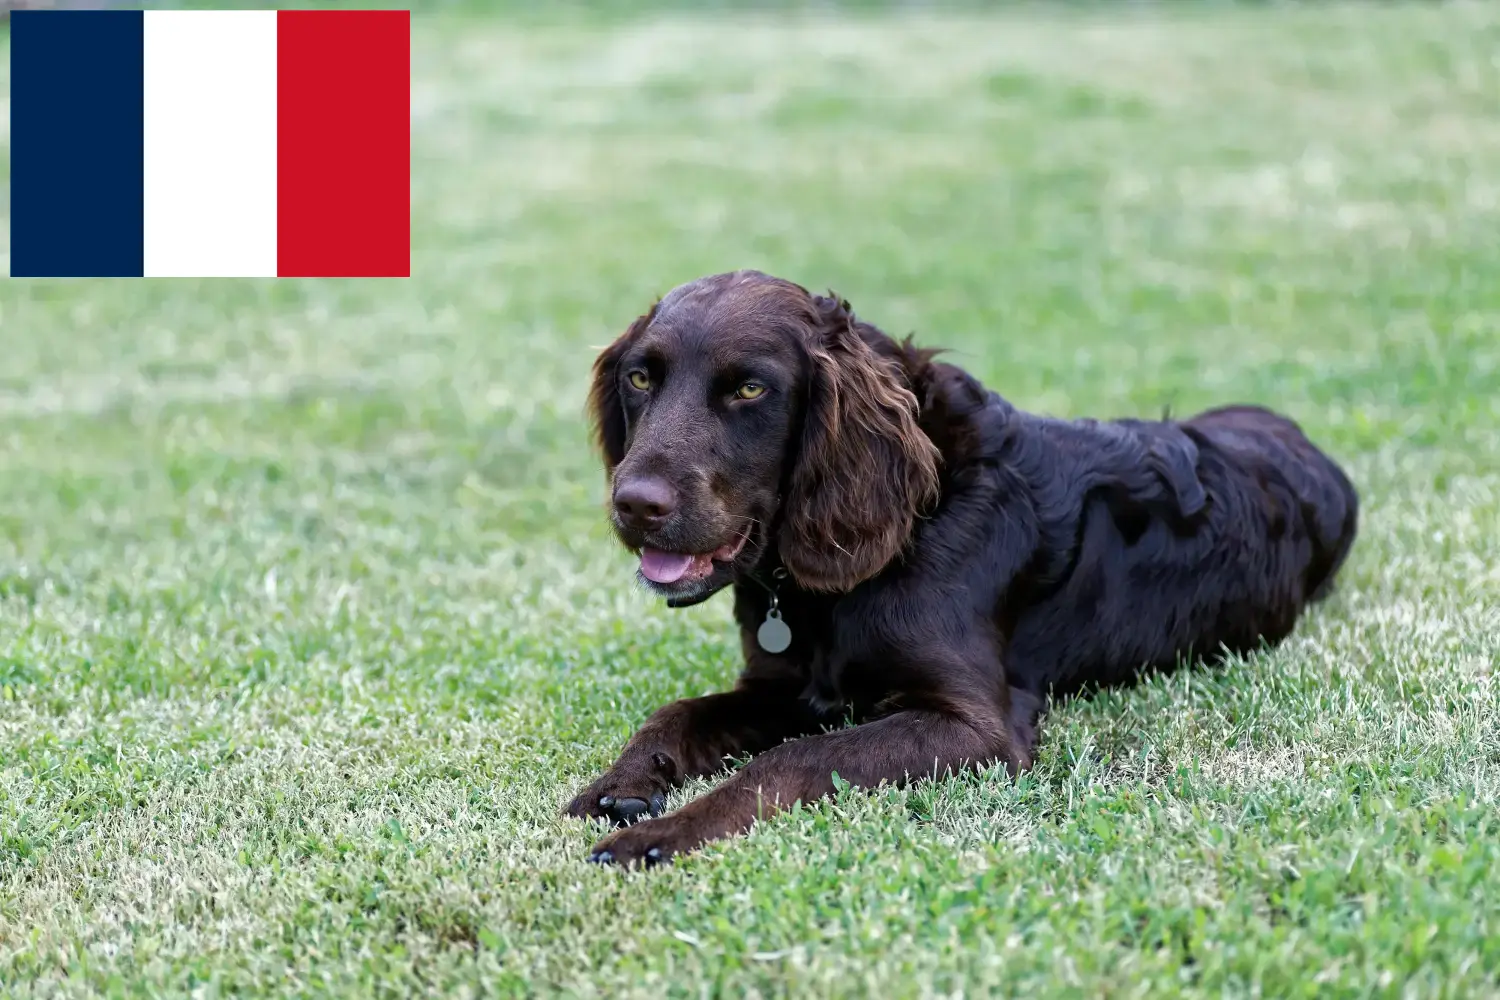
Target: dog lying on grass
point(908, 548)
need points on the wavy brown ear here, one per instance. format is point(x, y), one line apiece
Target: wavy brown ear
point(606, 413)
point(865, 469)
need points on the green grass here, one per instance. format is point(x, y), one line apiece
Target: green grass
point(310, 623)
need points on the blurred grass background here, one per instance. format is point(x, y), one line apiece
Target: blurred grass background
point(309, 622)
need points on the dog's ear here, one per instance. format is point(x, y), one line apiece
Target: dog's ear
point(606, 413)
point(864, 470)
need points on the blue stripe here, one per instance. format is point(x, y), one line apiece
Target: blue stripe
point(77, 146)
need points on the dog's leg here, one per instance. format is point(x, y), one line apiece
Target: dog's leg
point(691, 738)
point(898, 748)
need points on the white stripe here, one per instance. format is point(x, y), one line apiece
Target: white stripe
point(210, 119)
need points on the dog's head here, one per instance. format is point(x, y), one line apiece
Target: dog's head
point(743, 416)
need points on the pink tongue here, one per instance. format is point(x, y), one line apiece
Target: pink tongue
point(664, 567)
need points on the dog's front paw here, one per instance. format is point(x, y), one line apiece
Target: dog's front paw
point(618, 809)
point(650, 843)
point(626, 793)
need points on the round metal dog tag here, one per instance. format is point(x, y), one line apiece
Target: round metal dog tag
point(773, 634)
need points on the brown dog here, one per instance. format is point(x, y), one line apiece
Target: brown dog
point(907, 548)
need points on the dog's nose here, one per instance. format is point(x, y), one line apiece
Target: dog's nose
point(645, 502)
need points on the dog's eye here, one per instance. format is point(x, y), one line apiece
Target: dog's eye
point(639, 380)
point(750, 390)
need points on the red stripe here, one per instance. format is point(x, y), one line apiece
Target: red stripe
point(343, 134)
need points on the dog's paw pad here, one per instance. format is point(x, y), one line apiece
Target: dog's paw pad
point(626, 810)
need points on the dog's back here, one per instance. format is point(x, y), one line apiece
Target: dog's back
point(1177, 539)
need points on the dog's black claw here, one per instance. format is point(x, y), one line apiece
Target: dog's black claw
point(658, 803)
point(601, 857)
point(653, 857)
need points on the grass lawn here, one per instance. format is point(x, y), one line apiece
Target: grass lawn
point(310, 622)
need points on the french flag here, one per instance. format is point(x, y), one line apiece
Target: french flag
point(247, 143)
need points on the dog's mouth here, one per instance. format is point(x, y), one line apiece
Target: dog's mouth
point(672, 569)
